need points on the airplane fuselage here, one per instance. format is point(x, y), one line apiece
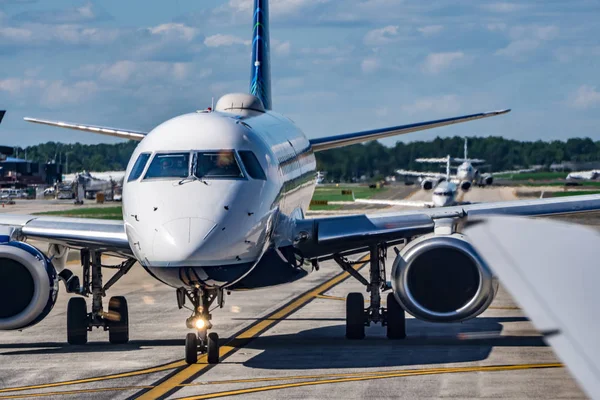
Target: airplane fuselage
point(212, 230)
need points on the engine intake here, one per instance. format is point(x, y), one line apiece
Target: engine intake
point(427, 184)
point(28, 285)
point(465, 186)
point(441, 278)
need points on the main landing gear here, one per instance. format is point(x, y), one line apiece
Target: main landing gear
point(357, 316)
point(201, 341)
point(115, 320)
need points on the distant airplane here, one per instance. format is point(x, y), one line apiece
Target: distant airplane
point(584, 175)
point(214, 201)
point(466, 174)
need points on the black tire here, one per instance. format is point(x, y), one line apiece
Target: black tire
point(355, 316)
point(212, 351)
point(396, 318)
point(77, 321)
point(118, 330)
point(191, 348)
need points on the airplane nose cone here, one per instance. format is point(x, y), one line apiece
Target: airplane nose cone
point(179, 239)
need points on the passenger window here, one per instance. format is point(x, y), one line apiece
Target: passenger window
point(172, 165)
point(221, 164)
point(252, 165)
point(138, 167)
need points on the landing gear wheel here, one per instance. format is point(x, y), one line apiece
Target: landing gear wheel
point(118, 329)
point(396, 319)
point(213, 348)
point(77, 321)
point(355, 316)
point(191, 348)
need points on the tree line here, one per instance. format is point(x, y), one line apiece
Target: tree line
point(347, 163)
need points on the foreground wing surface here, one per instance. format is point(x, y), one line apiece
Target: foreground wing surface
point(347, 139)
point(325, 236)
point(103, 130)
point(73, 232)
point(550, 268)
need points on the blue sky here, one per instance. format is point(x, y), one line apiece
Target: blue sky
point(338, 66)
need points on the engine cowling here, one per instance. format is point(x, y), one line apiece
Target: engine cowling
point(441, 278)
point(28, 285)
point(465, 186)
point(488, 179)
point(427, 184)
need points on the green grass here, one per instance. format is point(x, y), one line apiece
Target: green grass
point(332, 193)
point(575, 193)
point(91, 212)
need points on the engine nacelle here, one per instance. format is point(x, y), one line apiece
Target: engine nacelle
point(488, 179)
point(28, 285)
point(441, 278)
point(427, 184)
point(465, 186)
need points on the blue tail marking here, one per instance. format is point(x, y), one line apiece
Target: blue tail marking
point(260, 79)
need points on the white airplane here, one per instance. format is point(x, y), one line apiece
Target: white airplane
point(584, 175)
point(214, 201)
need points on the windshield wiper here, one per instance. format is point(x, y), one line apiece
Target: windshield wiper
point(192, 178)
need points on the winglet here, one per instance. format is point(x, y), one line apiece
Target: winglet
point(2, 112)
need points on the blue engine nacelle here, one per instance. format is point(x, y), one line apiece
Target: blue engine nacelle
point(28, 285)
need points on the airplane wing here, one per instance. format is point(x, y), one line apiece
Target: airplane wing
point(433, 160)
point(471, 160)
point(120, 133)
point(550, 268)
point(321, 237)
point(418, 174)
point(101, 234)
point(331, 142)
point(516, 171)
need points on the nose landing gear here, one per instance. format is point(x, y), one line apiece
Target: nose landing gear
point(201, 341)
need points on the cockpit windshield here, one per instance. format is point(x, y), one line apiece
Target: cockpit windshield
point(169, 165)
point(217, 165)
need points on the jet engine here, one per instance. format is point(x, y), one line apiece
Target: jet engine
point(441, 278)
point(488, 179)
point(28, 285)
point(465, 186)
point(427, 184)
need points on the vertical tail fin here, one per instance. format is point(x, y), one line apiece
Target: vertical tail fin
point(466, 155)
point(2, 112)
point(448, 159)
point(260, 81)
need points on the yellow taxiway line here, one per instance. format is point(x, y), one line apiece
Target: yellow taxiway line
point(318, 379)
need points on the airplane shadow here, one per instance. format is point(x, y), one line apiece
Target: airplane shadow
point(93, 347)
point(427, 343)
point(326, 347)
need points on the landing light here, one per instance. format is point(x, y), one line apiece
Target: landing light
point(200, 323)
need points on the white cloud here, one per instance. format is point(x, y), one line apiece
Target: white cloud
point(430, 30)
point(381, 36)
point(281, 48)
point(503, 7)
point(49, 93)
point(370, 65)
point(220, 40)
point(518, 48)
point(436, 62)
point(526, 39)
point(276, 7)
point(136, 73)
point(174, 29)
point(496, 27)
point(585, 96)
point(445, 104)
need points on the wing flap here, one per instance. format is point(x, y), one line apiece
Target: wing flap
point(550, 268)
point(347, 139)
point(103, 130)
